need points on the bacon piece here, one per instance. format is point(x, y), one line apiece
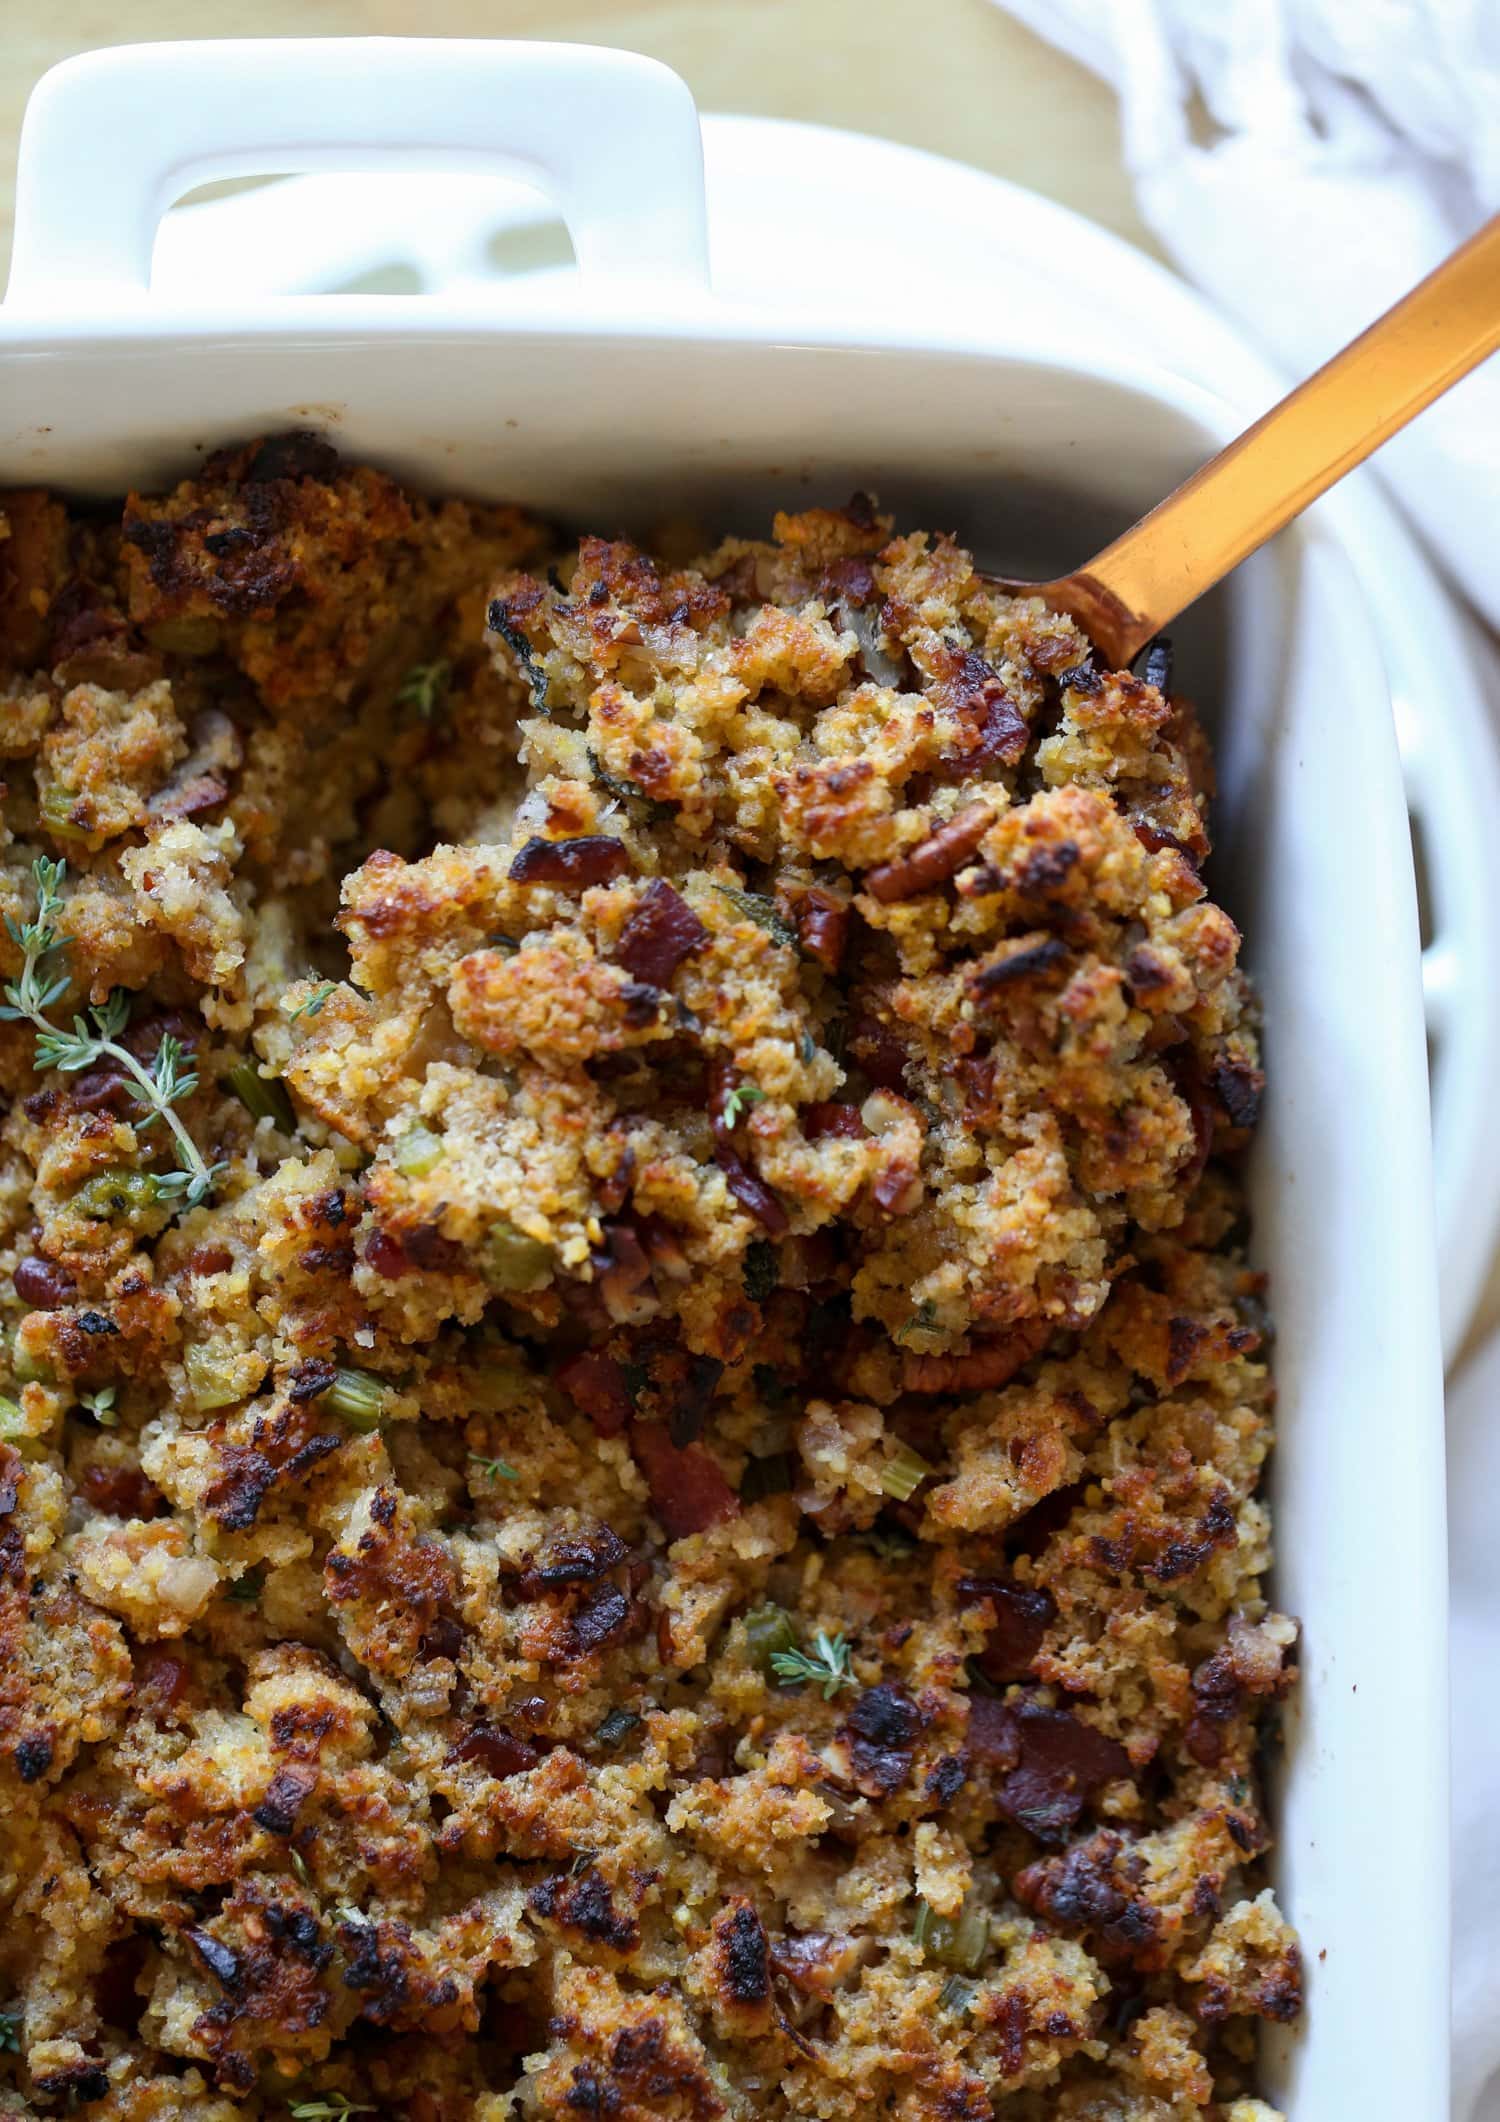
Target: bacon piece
point(595, 1383)
point(879, 1052)
point(1051, 1762)
point(122, 1492)
point(933, 860)
point(592, 858)
point(497, 1752)
point(41, 1283)
point(751, 1193)
point(994, 731)
point(828, 1118)
point(688, 1491)
point(661, 932)
point(1015, 1636)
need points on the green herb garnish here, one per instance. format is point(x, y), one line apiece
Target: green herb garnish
point(756, 907)
point(495, 1469)
point(523, 652)
point(156, 1090)
point(299, 1868)
point(314, 1002)
point(425, 687)
point(10, 2033)
point(335, 2109)
point(827, 1666)
point(627, 791)
point(739, 1101)
point(616, 1726)
point(247, 1589)
point(922, 1320)
point(101, 1405)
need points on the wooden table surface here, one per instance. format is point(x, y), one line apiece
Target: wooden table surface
point(980, 89)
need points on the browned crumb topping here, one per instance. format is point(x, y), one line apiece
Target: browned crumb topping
point(632, 1414)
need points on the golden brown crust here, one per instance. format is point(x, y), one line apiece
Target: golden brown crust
point(679, 1535)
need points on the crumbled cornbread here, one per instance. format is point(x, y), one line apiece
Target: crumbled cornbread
point(632, 1409)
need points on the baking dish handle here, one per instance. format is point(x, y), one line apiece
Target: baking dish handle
point(112, 138)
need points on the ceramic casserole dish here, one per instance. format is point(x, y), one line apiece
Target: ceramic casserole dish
point(633, 393)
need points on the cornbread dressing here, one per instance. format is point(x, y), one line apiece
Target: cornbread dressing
point(633, 1412)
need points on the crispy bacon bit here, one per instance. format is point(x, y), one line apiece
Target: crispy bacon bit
point(987, 1365)
point(879, 1052)
point(933, 860)
point(690, 1392)
point(122, 1492)
point(751, 1193)
point(41, 1283)
point(1051, 1761)
point(661, 931)
point(286, 1794)
point(688, 1491)
point(1021, 1620)
point(604, 1615)
point(209, 1260)
point(421, 1250)
point(572, 865)
point(499, 1753)
point(994, 731)
point(884, 1726)
point(1239, 1088)
point(596, 1383)
point(313, 1375)
point(573, 1558)
point(219, 1959)
point(828, 1118)
point(105, 1088)
point(823, 927)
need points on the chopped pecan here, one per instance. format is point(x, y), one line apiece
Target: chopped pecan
point(933, 860)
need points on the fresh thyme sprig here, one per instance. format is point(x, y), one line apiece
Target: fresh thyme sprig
point(425, 687)
point(496, 1469)
point(314, 1002)
point(101, 1405)
point(739, 1101)
point(170, 1078)
point(828, 1666)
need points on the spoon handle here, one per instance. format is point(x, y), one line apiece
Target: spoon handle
point(1327, 425)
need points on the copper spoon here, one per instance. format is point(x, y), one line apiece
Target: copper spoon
point(1253, 487)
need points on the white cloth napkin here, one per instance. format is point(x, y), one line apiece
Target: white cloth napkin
point(1474, 1574)
point(1304, 162)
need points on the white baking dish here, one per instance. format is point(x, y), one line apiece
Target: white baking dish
point(635, 393)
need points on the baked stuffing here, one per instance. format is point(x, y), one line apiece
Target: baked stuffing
point(634, 1411)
